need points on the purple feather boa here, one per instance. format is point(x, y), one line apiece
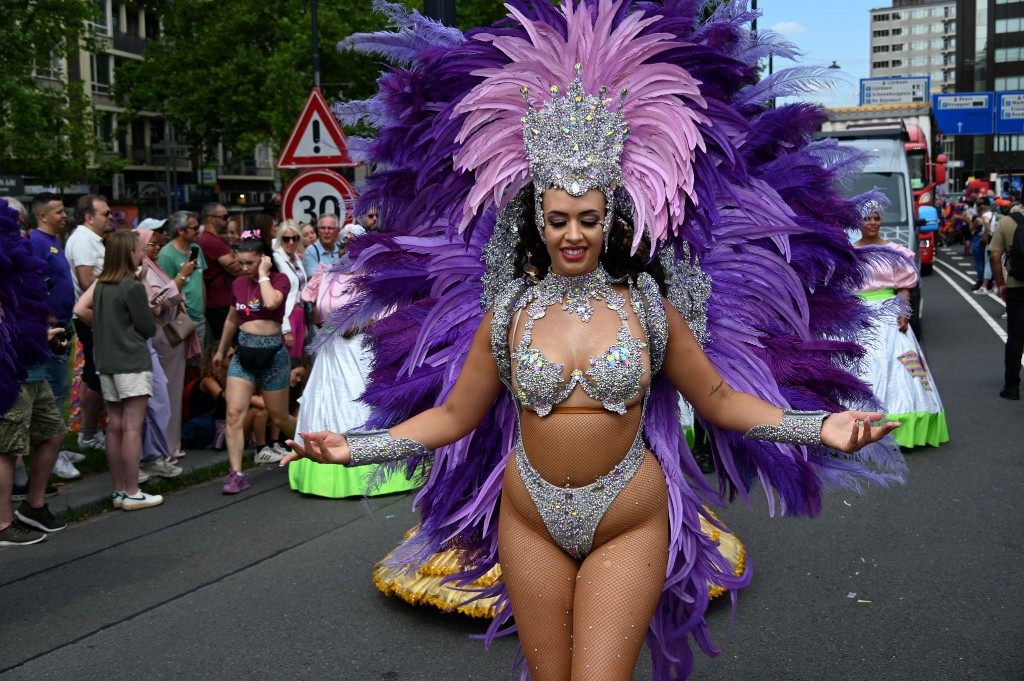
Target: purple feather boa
point(766, 222)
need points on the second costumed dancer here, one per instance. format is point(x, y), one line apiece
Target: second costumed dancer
point(592, 212)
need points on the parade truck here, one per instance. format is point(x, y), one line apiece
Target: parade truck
point(888, 170)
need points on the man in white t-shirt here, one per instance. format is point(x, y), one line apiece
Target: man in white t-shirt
point(85, 250)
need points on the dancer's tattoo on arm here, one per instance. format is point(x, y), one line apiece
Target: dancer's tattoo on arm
point(716, 388)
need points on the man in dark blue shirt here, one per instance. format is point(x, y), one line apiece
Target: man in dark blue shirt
point(51, 217)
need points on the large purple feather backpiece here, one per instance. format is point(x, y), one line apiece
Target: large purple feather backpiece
point(762, 216)
point(23, 311)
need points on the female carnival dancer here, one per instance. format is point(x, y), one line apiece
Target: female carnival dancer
point(576, 143)
point(331, 400)
point(895, 366)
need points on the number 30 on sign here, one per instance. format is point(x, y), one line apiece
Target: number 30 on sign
point(315, 193)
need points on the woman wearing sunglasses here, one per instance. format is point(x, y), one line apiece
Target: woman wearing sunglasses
point(288, 258)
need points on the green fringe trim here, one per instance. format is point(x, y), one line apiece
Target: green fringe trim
point(920, 428)
point(336, 482)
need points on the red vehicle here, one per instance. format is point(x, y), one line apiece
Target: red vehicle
point(977, 188)
point(925, 176)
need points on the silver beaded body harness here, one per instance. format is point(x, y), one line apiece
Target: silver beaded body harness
point(572, 514)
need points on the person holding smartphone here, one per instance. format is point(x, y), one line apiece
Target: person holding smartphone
point(182, 261)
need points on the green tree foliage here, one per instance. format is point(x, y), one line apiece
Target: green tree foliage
point(239, 72)
point(47, 129)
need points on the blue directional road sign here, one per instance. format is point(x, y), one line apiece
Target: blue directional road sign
point(877, 91)
point(964, 113)
point(1010, 113)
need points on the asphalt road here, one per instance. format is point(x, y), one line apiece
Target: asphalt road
point(920, 582)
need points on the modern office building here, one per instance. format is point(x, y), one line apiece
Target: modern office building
point(990, 58)
point(915, 38)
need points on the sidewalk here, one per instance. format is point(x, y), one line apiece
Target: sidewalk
point(89, 493)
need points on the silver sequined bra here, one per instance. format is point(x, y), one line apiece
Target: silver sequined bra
point(615, 376)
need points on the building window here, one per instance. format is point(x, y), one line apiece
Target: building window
point(102, 22)
point(1009, 83)
point(106, 129)
point(919, 30)
point(1008, 25)
point(897, 63)
point(880, 65)
point(919, 61)
point(898, 47)
point(102, 73)
point(950, 60)
point(1007, 2)
point(1009, 143)
point(880, 48)
point(919, 46)
point(52, 70)
point(152, 26)
point(880, 34)
point(940, 11)
point(1006, 54)
point(919, 14)
point(896, 16)
point(897, 31)
point(880, 17)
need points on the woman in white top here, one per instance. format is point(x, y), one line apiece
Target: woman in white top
point(289, 262)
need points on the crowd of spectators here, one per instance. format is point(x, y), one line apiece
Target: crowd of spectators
point(160, 316)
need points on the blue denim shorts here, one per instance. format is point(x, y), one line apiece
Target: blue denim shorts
point(274, 377)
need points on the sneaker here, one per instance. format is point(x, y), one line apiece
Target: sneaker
point(161, 468)
point(39, 518)
point(73, 457)
point(97, 441)
point(140, 500)
point(144, 476)
point(17, 534)
point(980, 291)
point(235, 482)
point(281, 449)
point(1010, 392)
point(117, 499)
point(267, 455)
point(65, 469)
point(20, 492)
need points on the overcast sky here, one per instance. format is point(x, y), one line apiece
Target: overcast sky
point(826, 32)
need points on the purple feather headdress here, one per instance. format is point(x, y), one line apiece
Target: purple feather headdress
point(653, 133)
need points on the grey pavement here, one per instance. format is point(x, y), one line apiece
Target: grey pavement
point(919, 582)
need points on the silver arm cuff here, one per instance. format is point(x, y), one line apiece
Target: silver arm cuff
point(796, 427)
point(377, 446)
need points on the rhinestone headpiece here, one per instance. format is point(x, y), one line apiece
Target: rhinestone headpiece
point(574, 142)
point(870, 207)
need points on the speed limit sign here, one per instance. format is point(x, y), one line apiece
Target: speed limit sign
point(315, 193)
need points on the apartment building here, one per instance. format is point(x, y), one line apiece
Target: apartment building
point(159, 174)
point(915, 38)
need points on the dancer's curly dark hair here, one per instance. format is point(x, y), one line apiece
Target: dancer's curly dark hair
point(532, 254)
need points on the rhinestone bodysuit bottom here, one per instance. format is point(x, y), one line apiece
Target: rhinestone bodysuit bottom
point(572, 514)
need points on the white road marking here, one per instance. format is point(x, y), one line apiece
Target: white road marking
point(969, 281)
point(991, 321)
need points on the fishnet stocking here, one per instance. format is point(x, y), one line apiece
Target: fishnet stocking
point(584, 620)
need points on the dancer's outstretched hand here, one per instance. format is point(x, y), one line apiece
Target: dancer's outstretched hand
point(848, 431)
point(322, 447)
